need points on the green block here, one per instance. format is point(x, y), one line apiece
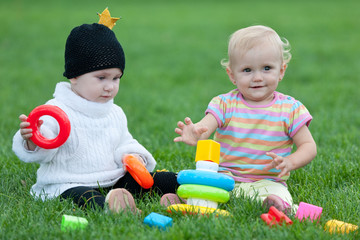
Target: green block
point(71, 223)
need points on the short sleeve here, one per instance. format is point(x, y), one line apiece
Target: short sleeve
point(217, 107)
point(299, 116)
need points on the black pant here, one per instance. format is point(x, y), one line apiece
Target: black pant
point(86, 197)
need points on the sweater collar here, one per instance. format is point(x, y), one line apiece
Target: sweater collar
point(64, 94)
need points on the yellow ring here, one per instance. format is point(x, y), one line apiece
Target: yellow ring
point(191, 209)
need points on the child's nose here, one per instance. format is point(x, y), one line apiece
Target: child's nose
point(109, 87)
point(257, 76)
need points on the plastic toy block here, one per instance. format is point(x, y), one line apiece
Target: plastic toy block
point(275, 217)
point(307, 210)
point(71, 223)
point(207, 150)
point(158, 220)
point(335, 226)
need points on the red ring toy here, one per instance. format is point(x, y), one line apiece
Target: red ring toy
point(138, 171)
point(60, 117)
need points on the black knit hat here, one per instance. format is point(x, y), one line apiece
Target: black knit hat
point(92, 47)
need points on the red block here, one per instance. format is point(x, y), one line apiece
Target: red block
point(275, 217)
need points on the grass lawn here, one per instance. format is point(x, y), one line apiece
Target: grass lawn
point(173, 51)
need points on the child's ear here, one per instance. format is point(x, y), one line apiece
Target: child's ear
point(72, 81)
point(282, 71)
point(231, 75)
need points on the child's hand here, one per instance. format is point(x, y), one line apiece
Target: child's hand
point(189, 132)
point(26, 132)
point(282, 163)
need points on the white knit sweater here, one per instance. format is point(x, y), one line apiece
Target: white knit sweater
point(93, 152)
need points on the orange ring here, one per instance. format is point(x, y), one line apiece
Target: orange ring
point(138, 171)
point(60, 117)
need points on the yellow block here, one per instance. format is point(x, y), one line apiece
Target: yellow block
point(335, 226)
point(207, 150)
point(191, 209)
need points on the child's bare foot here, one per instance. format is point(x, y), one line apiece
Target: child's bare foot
point(120, 199)
point(171, 199)
point(278, 203)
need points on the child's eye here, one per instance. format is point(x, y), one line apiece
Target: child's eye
point(247, 70)
point(116, 78)
point(267, 68)
point(101, 77)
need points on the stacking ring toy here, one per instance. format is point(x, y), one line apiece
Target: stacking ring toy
point(138, 171)
point(60, 117)
point(206, 178)
point(191, 209)
point(203, 192)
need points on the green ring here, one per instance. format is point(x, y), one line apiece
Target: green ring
point(203, 192)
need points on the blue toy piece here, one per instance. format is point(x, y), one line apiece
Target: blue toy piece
point(206, 178)
point(157, 220)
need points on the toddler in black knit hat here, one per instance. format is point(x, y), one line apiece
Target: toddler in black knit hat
point(90, 48)
point(90, 162)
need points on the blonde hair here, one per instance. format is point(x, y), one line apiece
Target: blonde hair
point(246, 38)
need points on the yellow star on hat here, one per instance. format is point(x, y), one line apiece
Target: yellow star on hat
point(106, 19)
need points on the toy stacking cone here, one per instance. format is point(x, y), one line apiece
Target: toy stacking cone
point(204, 187)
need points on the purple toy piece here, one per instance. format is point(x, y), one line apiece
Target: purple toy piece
point(307, 210)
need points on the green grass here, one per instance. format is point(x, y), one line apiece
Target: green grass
point(173, 51)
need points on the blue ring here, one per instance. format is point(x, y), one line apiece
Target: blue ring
point(206, 178)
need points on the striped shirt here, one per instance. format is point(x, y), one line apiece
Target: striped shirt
point(247, 132)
